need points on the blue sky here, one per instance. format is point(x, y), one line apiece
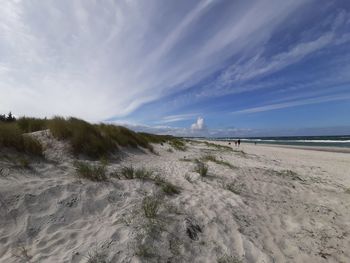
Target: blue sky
point(211, 68)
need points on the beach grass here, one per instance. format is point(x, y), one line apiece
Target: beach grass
point(12, 137)
point(91, 172)
point(150, 206)
point(213, 159)
point(201, 168)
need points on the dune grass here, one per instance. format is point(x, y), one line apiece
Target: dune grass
point(201, 168)
point(178, 144)
point(234, 188)
point(213, 158)
point(94, 173)
point(150, 206)
point(91, 140)
point(27, 124)
point(218, 146)
point(129, 173)
point(12, 137)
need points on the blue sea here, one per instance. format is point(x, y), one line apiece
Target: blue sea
point(332, 141)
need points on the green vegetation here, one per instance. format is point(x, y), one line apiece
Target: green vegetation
point(178, 144)
point(90, 172)
point(234, 188)
point(92, 140)
point(32, 124)
point(129, 172)
point(213, 158)
point(201, 168)
point(150, 206)
point(170, 189)
point(218, 146)
point(12, 137)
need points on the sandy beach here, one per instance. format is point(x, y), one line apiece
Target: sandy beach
point(256, 203)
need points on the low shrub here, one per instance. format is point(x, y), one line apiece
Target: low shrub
point(213, 159)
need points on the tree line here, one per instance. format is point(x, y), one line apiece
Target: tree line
point(7, 118)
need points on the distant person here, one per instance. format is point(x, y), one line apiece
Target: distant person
point(239, 142)
point(235, 143)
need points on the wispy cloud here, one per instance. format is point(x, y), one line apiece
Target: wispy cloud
point(176, 118)
point(98, 60)
point(289, 104)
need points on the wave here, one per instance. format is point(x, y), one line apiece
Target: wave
point(302, 141)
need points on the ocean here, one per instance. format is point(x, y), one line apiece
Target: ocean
point(331, 141)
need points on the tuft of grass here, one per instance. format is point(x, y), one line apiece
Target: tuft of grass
point(178, 144)
point(201, 168)
point(170, 150)
point(97, 256)
point(145, 251)
point(289, 174)
point(218, 146)
point(228, 259)
point(12, 137)
point(23, 163)
point(90, 172)
point(234, 188)
point(129, 172)
point(150, 206)
point(170, 189)
point(143, 174)
point(212, 158)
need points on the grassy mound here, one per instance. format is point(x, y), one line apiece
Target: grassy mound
point(11, 136)
point(92, 140)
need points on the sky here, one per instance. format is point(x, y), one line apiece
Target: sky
point(186, 67)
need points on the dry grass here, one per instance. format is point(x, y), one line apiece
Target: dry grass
point(201, 168)
point(178, 144)
point(27, 124)
point(150, 206)
point(213, 158)
point(91, 172)
point(218, 146)
point(129, 172)
point(12, 137)
point(234, 188)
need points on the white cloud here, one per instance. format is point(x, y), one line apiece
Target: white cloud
point(98, 60)
point(199, 125)
point(176, 118)
point(294, 104)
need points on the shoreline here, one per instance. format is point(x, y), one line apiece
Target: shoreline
point(309, 148)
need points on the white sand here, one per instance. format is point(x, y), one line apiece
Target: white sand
point(48, 214)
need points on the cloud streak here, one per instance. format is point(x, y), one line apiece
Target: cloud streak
point(99, 60)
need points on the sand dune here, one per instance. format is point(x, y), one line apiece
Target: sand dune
point(272, 205)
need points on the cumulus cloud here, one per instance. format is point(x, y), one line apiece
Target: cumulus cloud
point(199, 125)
